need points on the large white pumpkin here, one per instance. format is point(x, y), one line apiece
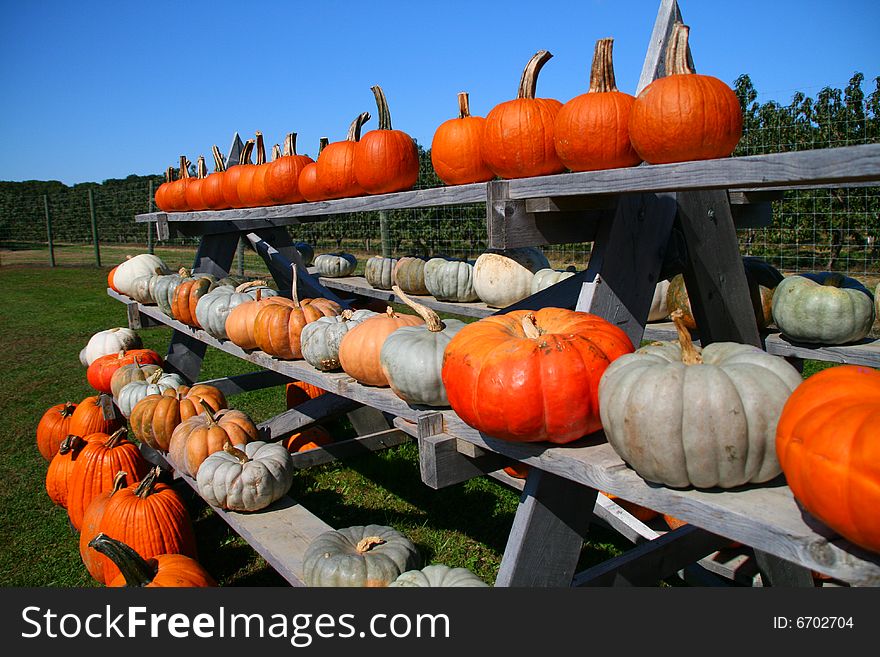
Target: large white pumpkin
point(246, 477)
point(502, 278)
point(109, 341)
point(144, 264)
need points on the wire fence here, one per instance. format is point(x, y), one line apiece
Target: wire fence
point(813, 229)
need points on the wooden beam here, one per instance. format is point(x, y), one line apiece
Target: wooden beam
point(349, 448)
point(304, 415)
point(654, 65)
point(235, 385)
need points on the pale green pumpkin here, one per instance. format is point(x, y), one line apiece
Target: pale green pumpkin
point(335, 265)
point(378, 272)
point(438, 575)
point(159, 381)
point(409, 274)
point(214, 307)
point(163, 287)
point(450, 280)
point(246, 477)
point(320, 339)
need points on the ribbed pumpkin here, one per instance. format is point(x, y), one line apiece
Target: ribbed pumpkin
point(109, 341)
point(96, 467)
point(279, 323)
point(828, 445)
point(335, 164)
point(53, 427)
point(310, 438)
point(233, 172)
point(530, 376)
point(450, 280)
point(130, 373)
point(361, 347)
point(161, 198)
point(282, 179)
point(378, 271)
point(212, 186)
point(456, 148)
point(438, 575)
point(200, 435)
point(61, 467)
point(154, 418)
point(162, 570)
point(157, 383)
point(299, 392)
point(187, 295)
point(194, 189)
point(164, 287)
point(412, 356)
point(308, 177)
point(546, 277)
point(175, 196)
point(91, 528)
point(251, 191)
point(518, 136)
point(684, 116)
point(409, 274)
point(101, 371)
point(213, 309)
point(151, 518)
point(335, 265)
point(240, 321)
point(319, 340)
point(592, 130)
point(246, 477)
point(88, 418)
point(133, 267)
point(385, 160)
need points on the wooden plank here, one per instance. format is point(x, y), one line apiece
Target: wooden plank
point(548, 532)
point(442, 464)
point(654, 65)
point(349, 448)
point(367, 420)
point(134, 316)
point(646, 564)
point(304, 415)
point(184, 357)
point(235, 385)
point(215, 255)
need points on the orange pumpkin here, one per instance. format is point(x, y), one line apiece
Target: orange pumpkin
point(186, 297)
point(592, 130)
point(308, 177)
point(88, 418)
point(385, 160)
point(280, 321)
point(828, 445)
point(194, 189)
point(95, 469)
point(233, 171)
point(360, 348)
point(175, 197)
point(201, 435)
point(530, 376)
point(335, 165)
point(101, 371)
point(684, 116)
point(212, 186)
point(282, 177)
point(299, 392)
point(90, 528)
point(518, 136)
point(240, 322)
point(161, 197)
point(250, 194)
point(518, 471)
point(456, 148)
point(310, 438)
point(162, 570)
point(154, 418)
point(53, 427)
point(61, 467)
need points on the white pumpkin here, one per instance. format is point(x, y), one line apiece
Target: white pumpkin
point(109, 341)
point(659, 308)
point(503, 278)
point(438, 575)
point(134, 267)
point(544, 278)
point(246, 477)
point(155, 384)
point(335, 265)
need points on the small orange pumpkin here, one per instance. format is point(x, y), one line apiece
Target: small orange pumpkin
point(335, 165)
point(54, 427)
point(299, 392)
point(161, 198)
point(212, 186)
point(88, 418)
point(61, 467)
point(456, 148)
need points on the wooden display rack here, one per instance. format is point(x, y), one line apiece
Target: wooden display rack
point(646, 222)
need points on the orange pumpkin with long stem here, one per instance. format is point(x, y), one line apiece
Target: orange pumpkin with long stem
point(518, 135)
point(233, 171)
point(456, 152)
point(684, 116)
point(282, 177)
point(592, 130)
point(335, 172)
point(95, 469)
point(248, 193)
point(53, 427)
point(529, 376)
point(162, 570)
point(212, 186)
point(385, 160)
point(194, 199)
point(90, 528)
point(308, 177)
point(280, 321)
point(361, 347)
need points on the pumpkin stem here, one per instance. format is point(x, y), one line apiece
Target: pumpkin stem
point(276, 152)
point(184, 167)
point(347, 314)
point(136, 570)
point(68, 409)
point(354, 130)
point(530, 327)
point(389, 311)
point(261, 149)
point(323, 142)
point(201, 167)
point(368, 543)
point(290, 144)
point(259, 294)
point(293, 292)
point(169, 174)
point(71, 443)
point(219, 160)
point(690, 355)
point(119, 482)
point(183, 273)
point(148, 484)
point(232, 450)
point(432, 319)
point(528, 83)
point(382, 105)
point(116, 437)
point(464, 107)
point(155, 376)
point(602, 72)
point(208, 410)
point(246, 286)
point(245, 155)
point(677, 62)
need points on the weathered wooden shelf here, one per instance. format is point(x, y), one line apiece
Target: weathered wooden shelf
point(766, 517)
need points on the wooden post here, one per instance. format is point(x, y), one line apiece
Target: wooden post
point(150, 223)
point(240, 255)
point(384, 234)
point(49, 232)
point(94, 227)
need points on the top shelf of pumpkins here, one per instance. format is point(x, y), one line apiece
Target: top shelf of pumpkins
point(683, 116)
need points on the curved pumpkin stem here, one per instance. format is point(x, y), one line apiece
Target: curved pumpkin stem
point(530, 327)
point(528, 83)
point(260, 148)
point(148, 484)
point(208, 411)
point(219, 160)
point(232, 450)
point(155, 376)
point(677, 61)
point(389, 311)
point(464, 107)
point(432, 319)
point(602, 71)
point(368, 543)
point(382, 106)
point(245, 156)
point(71, 443)
point(68, 409)
point(293, 291)
point(354, 130)
point(346, 314)
point(323, 142)
point(116, 437)
point(134, 568)
point(246, 286)
point(689, 353)
point(119, 482)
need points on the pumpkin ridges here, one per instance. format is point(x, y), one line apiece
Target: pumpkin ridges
point(91, 521)
point(53, 427)
point(335, 164)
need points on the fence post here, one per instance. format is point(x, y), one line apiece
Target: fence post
point(150, 223)
point(94, 227)
point(384, 234)
point(240, 256)
point(49, 231)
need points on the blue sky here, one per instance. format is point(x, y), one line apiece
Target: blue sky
point(95, 90)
